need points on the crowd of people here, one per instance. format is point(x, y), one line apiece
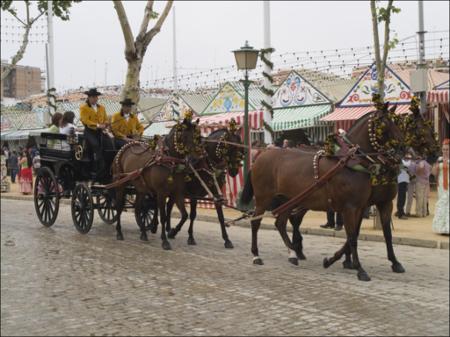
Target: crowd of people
point(20, 166)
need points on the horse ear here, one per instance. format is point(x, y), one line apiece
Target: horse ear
point(197, 121)
point(393, 108)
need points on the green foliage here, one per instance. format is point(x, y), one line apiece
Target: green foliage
point(154, 15)
point(384, 14)
point(60, 7)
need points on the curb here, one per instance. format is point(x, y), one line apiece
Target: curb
point(312, 231)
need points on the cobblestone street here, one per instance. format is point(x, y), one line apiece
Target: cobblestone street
point(56, 281)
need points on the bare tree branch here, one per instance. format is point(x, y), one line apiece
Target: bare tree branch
point(146, 19)
point(157, 27)
point(18, 56)
point(36, 18)
point(126, 29)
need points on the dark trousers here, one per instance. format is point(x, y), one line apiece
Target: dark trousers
point(119, 143)
point(401, 198)
point(13, 175)
point(330, 218)
point(95, 139)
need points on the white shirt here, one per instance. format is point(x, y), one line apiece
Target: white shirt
point(67, 129)
point(403, 177)
point(94, 106)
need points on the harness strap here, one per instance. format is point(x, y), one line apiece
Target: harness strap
point(292, 203)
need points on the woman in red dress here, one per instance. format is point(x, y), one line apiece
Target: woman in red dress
point(26, 173)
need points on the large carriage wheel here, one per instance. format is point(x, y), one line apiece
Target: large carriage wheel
point(46, 196)
point(146, 212)
point(82, 208)
point(106, 209)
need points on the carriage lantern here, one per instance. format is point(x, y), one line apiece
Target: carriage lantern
point(246, 58)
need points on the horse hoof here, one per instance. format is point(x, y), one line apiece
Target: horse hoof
point(172, 234)
point(119, 237)
point(362, 276)
point(228, 245)
point(191, 242)
point(258, 261)
point(153, 229)
point(326, 263)
point(301, 256)
point(166, 245)
point(144, 237)
point(398, 268)
point(347, 265)
point(293, 260)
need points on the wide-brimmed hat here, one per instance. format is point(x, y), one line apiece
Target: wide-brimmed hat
point(127, 102)
point(93, 92)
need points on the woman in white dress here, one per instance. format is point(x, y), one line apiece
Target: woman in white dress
point(440, 171)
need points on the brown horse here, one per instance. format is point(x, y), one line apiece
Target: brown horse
point(222, 157)
point(419, 135)
point(281, 174)
point(163, 173)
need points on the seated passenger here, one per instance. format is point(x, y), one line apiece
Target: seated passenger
point(67, 127)
point(54, 128)
point(125, 125)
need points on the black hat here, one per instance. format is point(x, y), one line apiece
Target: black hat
point(127, 102)
point(93, 92)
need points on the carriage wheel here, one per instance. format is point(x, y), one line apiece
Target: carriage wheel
point(106, 210)
point(82, 208)
point(46, 196)
point(146, 213)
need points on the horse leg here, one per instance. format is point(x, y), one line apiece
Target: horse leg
point(348, 264)
point(138, 206)
point(351, 222)
point(385, 211)
point(228, 244)
point(327, 262)
point(281, 223)
point(192, 216)
point(153, 227)
point(162, 213)
point(184, 215)
point(168, 216)
point(255, 227)
point(297, 239)
point(120, 202)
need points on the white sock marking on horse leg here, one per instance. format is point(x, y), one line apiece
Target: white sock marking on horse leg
point(255, 258)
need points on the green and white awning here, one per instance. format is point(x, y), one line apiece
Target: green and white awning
point(299, 117)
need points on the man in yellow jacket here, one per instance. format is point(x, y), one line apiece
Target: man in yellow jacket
point(125, 125)
point(94, 118)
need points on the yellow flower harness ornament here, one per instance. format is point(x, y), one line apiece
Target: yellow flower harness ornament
point(222, 148)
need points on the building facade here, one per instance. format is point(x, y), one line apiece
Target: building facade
point(22, 82)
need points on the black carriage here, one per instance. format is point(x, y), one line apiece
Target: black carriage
point(67, 172)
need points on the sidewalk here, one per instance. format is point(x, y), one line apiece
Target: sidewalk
point(413, 232)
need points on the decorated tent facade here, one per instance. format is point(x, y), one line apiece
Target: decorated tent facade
point(358, 101)
point(300, 105)
point(438, 99)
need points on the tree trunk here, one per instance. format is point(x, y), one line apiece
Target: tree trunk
point(376, 44)
point(131, 87)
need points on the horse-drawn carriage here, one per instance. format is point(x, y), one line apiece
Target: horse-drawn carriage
point(67, 172)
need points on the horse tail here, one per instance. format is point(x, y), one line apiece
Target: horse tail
point(247, 192)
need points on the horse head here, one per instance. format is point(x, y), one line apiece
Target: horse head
point(419, 133)
point(184, 140)
point(221, 150)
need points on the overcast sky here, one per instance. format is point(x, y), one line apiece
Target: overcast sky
point(207, 31)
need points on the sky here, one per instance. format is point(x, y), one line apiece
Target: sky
point(207, 32)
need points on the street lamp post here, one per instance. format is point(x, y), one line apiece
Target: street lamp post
point(246, 59)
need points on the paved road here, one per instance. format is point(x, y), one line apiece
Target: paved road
point(58, 282)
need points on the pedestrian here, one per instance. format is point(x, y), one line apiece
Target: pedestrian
point(422, 170)
point(403, 181)
point(36, 162)
point(440, 171)
point(411, 186)
point(26, 176)
point(13, 164)
point(332, 223)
